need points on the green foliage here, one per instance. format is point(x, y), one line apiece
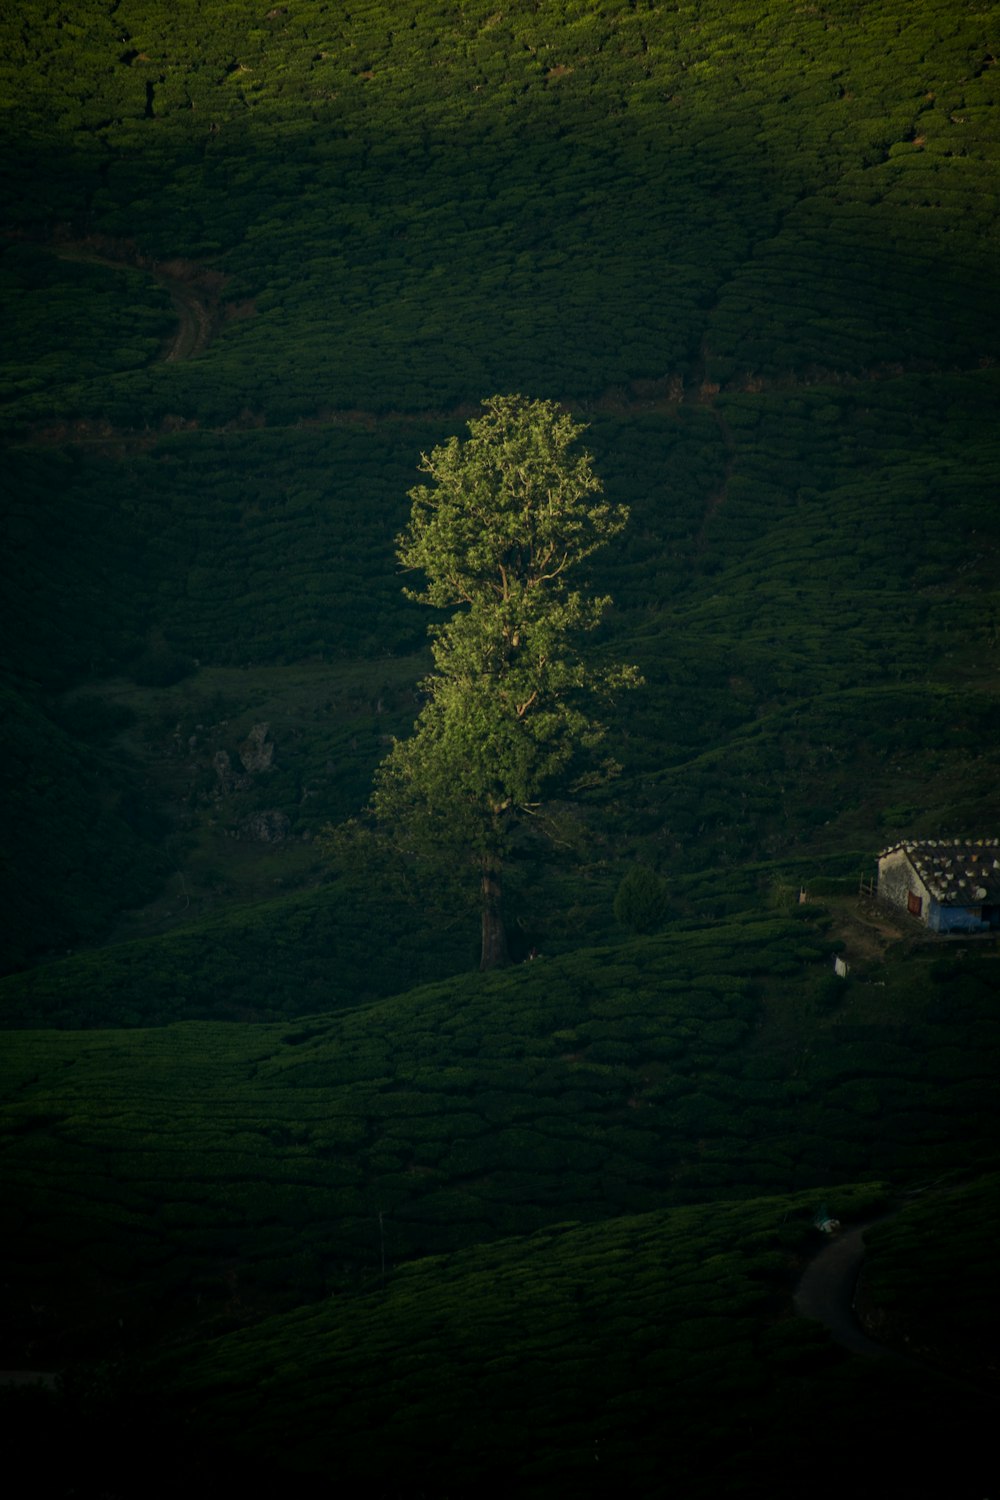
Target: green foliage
point(82, 840)
point(787, 583)
point(611, 1080)
point(506, 525)
point(911, 1299)
point(509, 521)
point(632, 200)
point(641, 901)
point(289, 956)
point(528, 1361)
point(252, 267)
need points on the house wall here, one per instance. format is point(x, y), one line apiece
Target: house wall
point(897, 878)
point(961, 919)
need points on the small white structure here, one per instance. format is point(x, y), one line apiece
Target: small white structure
point(824, 1220)
point(950, 885)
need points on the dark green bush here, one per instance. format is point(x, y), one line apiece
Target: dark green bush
point(641, 902)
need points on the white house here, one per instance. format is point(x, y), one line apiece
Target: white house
point(950, 885)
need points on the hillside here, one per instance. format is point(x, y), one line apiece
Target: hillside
point(798, 403)
point(258, 1108)
point(614, 1354)
point(171, 1188)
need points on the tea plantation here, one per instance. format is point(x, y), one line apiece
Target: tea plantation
point(293, 1195)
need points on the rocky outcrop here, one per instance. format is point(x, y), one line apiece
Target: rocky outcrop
point(270, 827)
point(230, 780)
point(253, 758)
point(257, 752)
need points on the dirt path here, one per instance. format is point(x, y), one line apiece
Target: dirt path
point(194, 290)
point(196, 294)
point(826, 1292)
point(197, 315)
point(201, 316)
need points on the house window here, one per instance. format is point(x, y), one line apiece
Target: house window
point(914, 903)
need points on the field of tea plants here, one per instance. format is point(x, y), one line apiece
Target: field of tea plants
point(292, 1191)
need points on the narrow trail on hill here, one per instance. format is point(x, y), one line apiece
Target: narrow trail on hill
point(196, 316)
point(196, 294)
point(187, 342)
point(827, 1292)
point(194, 289)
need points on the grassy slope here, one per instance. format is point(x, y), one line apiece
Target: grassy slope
point(645, 206)
point(202, 1158)
point(754, 249)
point(787, 604)
point(819, 653)
point(580, 1360)
point(929, 1279)
point(777, 173)
point(188, 1180)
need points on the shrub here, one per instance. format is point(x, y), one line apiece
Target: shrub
point(640, 903)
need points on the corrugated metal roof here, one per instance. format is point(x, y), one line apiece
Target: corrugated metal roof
point(956, 872)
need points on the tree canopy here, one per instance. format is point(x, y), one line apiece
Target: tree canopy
point(510, 515)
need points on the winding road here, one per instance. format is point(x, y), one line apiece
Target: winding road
point(826, 1292)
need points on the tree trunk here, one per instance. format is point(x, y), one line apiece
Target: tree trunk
point(495, 955)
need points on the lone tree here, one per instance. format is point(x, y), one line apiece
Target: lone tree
point(509, 516)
